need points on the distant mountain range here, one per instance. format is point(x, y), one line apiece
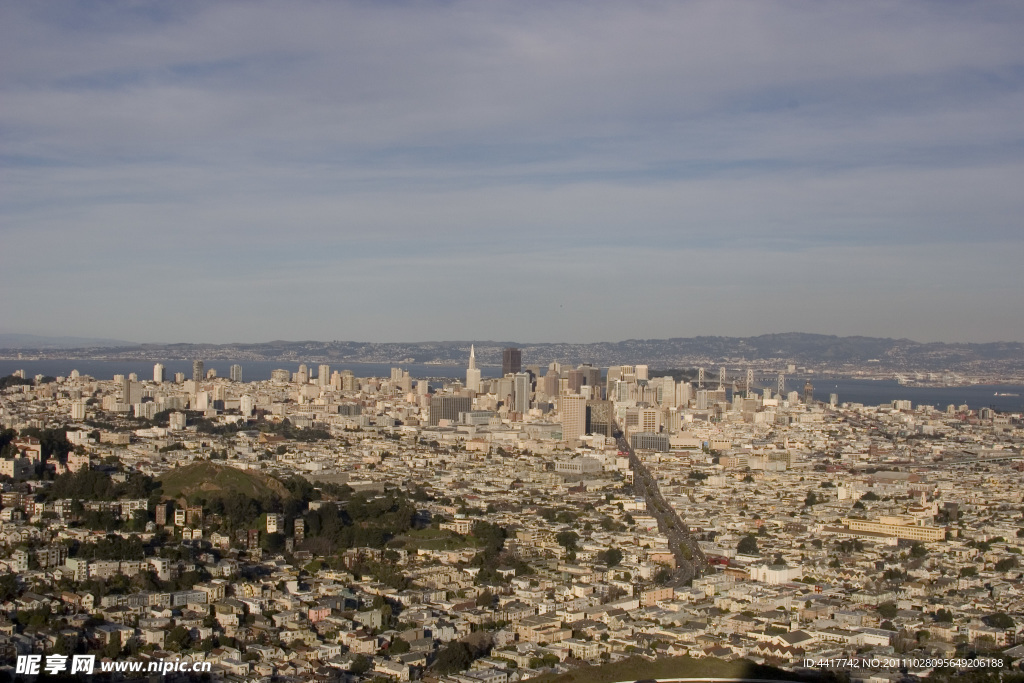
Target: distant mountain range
point(809, 350)
point(35, 341)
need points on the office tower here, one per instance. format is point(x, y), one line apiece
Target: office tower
point(202, 401)
point(236, 373)
point(158, 373)
point(503, 389)
point(473, 372)
point(280, 376)
point(246, 405)
point(619, 391)
point(591, 376)
point(808, 392)
point(573, 409)
point(135, 391)
point(323, 375)
point(614, 375)
point(673, 420)
point(179, 377)
point(78, 410)
point(348, 381)
point(833, 400)
point(684, 393)
point(575, 380)
point(641, 372)
point(197, 371)
point(649, 419)
point(600, 417)
point(448, 408)
point(627, 373)
point(521, 386)
point(550, 382)
point(702, 400)
point(302, 376)
point(511, 361)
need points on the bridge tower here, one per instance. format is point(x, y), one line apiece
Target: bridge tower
point(700, 378)
point(750, 382)
point(721, 378)
point(782, 385)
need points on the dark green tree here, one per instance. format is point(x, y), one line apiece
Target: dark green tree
point(747, 545)
point(360, 665)
point(455, 656)
point(888, 610)
point(611, 557)
point(999, 620)
point(567, 539)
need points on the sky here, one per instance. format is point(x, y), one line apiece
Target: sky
point(531, 171)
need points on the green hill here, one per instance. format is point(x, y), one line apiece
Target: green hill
point(210, 478)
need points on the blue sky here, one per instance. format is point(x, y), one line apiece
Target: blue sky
point(525, 170)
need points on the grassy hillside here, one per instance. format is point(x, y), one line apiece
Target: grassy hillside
point(211, 478)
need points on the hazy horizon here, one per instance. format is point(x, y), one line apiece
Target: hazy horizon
point(87, 341)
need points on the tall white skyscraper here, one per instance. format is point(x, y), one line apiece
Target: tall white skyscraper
point(323, 375)
point(472, 372)
point(521, 392)
point(236, 373)
point(158, 373)
point(573, 409)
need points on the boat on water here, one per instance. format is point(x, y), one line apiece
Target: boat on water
point(1004, 394)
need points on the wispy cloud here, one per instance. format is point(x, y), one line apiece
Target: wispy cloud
point(254, 152)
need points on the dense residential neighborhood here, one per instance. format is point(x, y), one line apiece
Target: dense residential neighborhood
point(323, 526)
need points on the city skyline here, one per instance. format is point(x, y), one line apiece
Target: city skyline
point(215, 173)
